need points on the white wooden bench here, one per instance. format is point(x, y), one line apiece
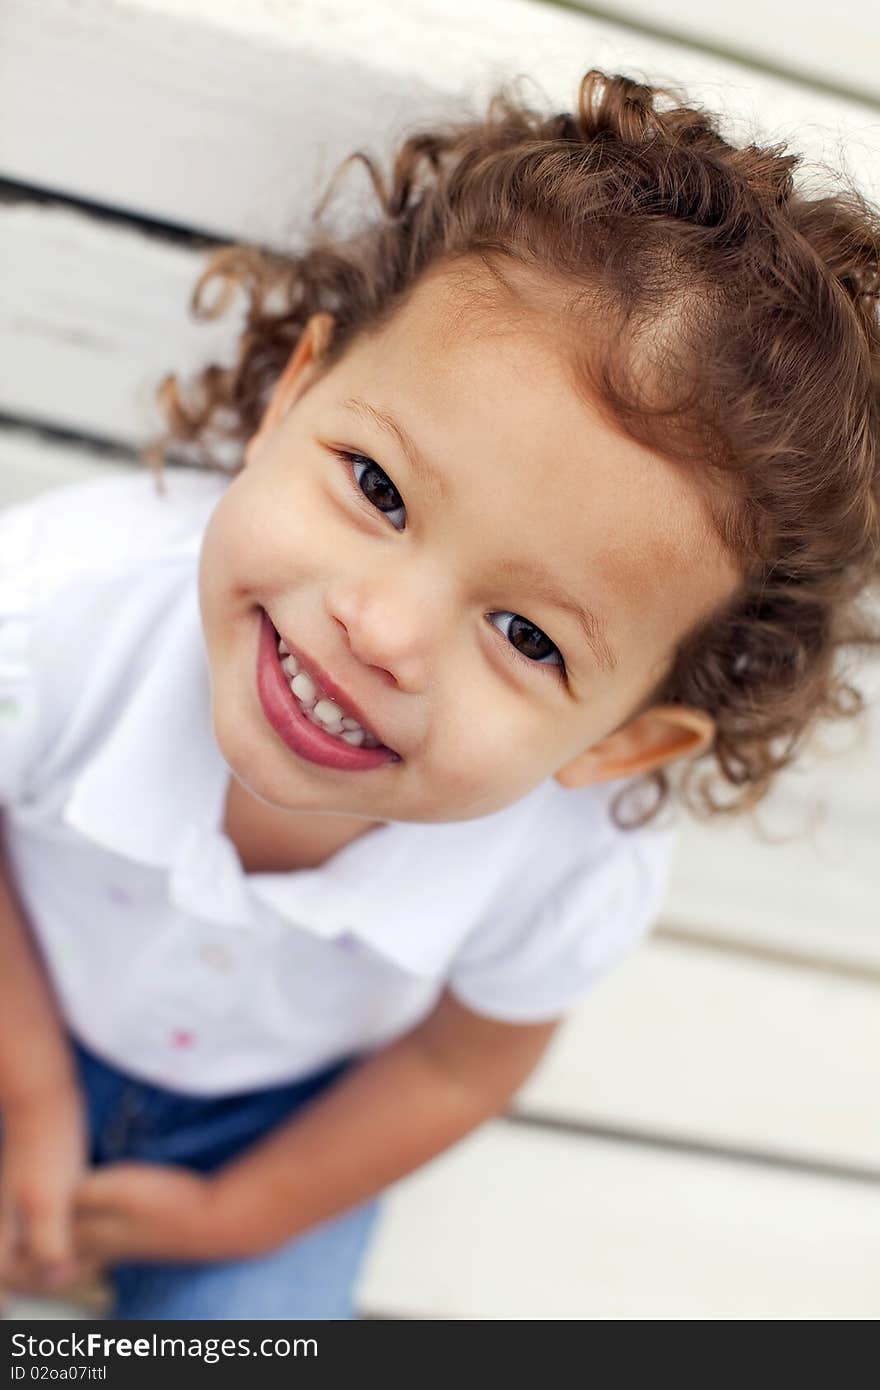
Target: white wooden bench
point(703, 1139)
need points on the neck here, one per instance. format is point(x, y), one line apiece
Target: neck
point(269, 840)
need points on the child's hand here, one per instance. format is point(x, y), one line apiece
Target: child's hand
point(42, 1159)
point(25, 1275)
point(145, 1211)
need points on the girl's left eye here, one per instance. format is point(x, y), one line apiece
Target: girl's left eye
point(526, 642)
point(374, 485)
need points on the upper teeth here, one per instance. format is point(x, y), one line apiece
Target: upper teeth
point(327, 713)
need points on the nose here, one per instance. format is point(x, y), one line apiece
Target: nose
point(393, 622)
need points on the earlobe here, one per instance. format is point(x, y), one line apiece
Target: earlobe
point(658, 736)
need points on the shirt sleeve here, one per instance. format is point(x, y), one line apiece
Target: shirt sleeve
point(537, 955)
point(19, 712)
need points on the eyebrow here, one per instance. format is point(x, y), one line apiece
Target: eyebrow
point(542, 586)
point(517, 571)
point(427, 474)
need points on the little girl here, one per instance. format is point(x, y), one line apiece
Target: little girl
point(557, 479)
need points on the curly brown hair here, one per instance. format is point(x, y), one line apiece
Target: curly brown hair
point(740, 337)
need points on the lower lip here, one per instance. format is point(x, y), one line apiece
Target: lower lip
point(287, 719)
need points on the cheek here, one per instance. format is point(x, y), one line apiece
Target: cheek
point(483, 755)
point(265, 530)
point(296, 525)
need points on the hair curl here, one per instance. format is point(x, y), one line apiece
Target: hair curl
point(742, 340)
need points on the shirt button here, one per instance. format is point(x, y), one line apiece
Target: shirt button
point(217, 958)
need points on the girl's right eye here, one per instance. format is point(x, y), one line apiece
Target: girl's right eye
point(374, 485)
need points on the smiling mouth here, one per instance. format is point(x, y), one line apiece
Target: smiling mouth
point(312, 714)
point(319, 707)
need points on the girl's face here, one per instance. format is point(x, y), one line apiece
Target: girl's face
point(493, 576)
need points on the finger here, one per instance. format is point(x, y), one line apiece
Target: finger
point(101, 1188)
point(9, 1234)
point(47, 1228)
point(70, 1272)
point(96, 1236)
point(25, 1276)
point(6, 1236)
point(120, 1179)
point(22, 1275)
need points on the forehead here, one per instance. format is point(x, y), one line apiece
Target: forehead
point(472, 367)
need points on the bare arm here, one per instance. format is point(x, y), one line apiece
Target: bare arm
point(35, 1056)
point(386, 1117)
point(43, 1149)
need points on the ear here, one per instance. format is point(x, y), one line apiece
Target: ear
point(293, 380)
point(659, 735)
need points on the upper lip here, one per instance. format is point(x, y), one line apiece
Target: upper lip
point(331, 687)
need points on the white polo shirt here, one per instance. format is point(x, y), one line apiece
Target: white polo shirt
point(167, 958)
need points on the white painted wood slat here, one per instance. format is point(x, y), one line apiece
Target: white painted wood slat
point(92, 317)
point(837, 44)
point(30, 465)
point(731, 1051)
point(515, 1224)
point(818, 898)
point(228, 118)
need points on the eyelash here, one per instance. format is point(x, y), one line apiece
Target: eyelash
point(351, 458)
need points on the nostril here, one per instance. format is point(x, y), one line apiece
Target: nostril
point(388, 676)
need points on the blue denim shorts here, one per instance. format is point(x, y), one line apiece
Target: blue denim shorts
point(312, 1276)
